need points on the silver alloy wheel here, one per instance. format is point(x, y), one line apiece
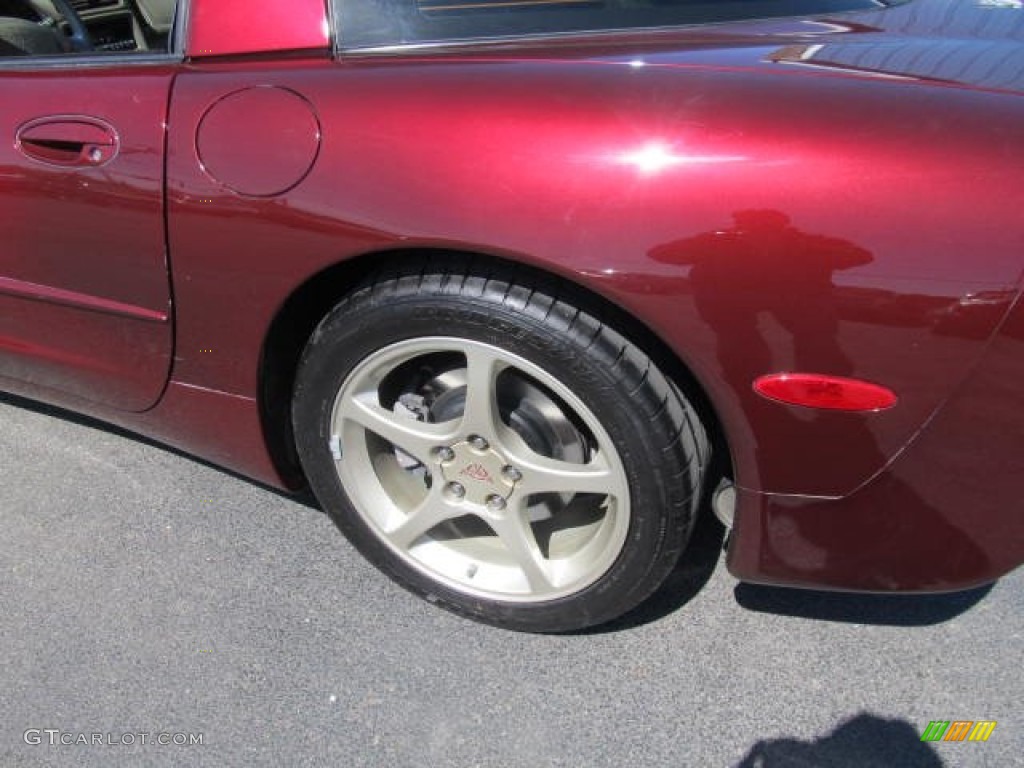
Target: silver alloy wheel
point(480, 469)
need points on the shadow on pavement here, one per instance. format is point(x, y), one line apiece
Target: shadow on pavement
point(886, 610)
point(684, 583)
point(702, 555)
point(304, 497)
point(866, 741)
point(689, 577)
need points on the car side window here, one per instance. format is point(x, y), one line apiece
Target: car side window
point(55, 28)
point(385, 23)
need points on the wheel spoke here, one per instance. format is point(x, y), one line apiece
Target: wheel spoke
point(517, 536)
point(544, 475)
point(481, 411)
point(432, 511)
point(414, 437)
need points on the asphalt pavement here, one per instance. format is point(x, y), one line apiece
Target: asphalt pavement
point(151, 602)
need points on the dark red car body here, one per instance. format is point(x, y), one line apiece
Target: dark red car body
point(836, 196)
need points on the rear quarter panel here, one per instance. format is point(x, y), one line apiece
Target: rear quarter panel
point(700, 191)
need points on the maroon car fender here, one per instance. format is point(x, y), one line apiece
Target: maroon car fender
point(753, 235)
point(940, 517)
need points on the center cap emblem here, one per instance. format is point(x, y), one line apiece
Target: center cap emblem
point(480, 473)
point(477, 472)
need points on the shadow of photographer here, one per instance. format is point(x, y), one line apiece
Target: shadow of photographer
point(865, 741)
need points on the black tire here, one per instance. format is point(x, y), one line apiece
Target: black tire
point(599, 396)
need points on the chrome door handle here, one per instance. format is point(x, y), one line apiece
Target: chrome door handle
point(68, 141)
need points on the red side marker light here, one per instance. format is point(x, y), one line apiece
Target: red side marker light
point(834, 393)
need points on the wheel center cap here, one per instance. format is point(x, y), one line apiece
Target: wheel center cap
point(480, 472)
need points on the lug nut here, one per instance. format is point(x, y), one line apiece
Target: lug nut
point(455, 490)
point(512, 474)
point(444, 454)
point(496, 503)
point(479, 443)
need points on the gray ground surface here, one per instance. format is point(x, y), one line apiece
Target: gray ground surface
point(144, 592)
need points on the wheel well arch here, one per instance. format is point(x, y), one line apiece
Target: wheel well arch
point(301, 312)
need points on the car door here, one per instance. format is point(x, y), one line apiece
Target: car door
point(85, 303)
